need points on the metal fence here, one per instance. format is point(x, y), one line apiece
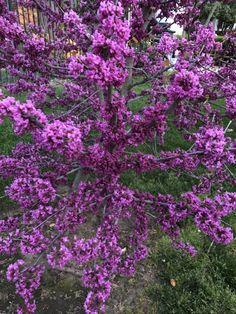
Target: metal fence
point(32, 16)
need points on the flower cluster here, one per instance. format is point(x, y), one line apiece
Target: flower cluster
point(151, 122)
point(211, 141)
point(65, 138)
point(74, 22)
point(103, 72)
point(75, 67)
point(208, 217)
point(33, 243)
point(205, 37)
point(185, 84)
point(24, 115)
point(167, 44)
point(29, 190)
point(106, 63)
point(26, 281)
point(97, 279)
point(231, 107)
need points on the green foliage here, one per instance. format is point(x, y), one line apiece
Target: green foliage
point(225, 13)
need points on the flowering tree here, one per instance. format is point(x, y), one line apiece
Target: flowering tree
point(73, 207)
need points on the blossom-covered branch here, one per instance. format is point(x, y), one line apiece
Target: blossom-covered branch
point(67, 180)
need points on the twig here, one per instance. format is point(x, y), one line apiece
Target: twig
point(208, 251)
point(226, 129)
point(232, 174)
point(77, 106)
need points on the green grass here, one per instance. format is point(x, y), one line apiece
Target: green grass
point(7, 138)
point(204, 284)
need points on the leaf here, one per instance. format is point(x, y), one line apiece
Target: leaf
point(123, 250)
point(173, 283)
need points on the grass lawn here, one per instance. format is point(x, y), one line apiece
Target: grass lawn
point(204, 284)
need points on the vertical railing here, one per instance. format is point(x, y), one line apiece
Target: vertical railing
point(28, 15)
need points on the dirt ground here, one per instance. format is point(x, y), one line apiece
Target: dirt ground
point(62, 293)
